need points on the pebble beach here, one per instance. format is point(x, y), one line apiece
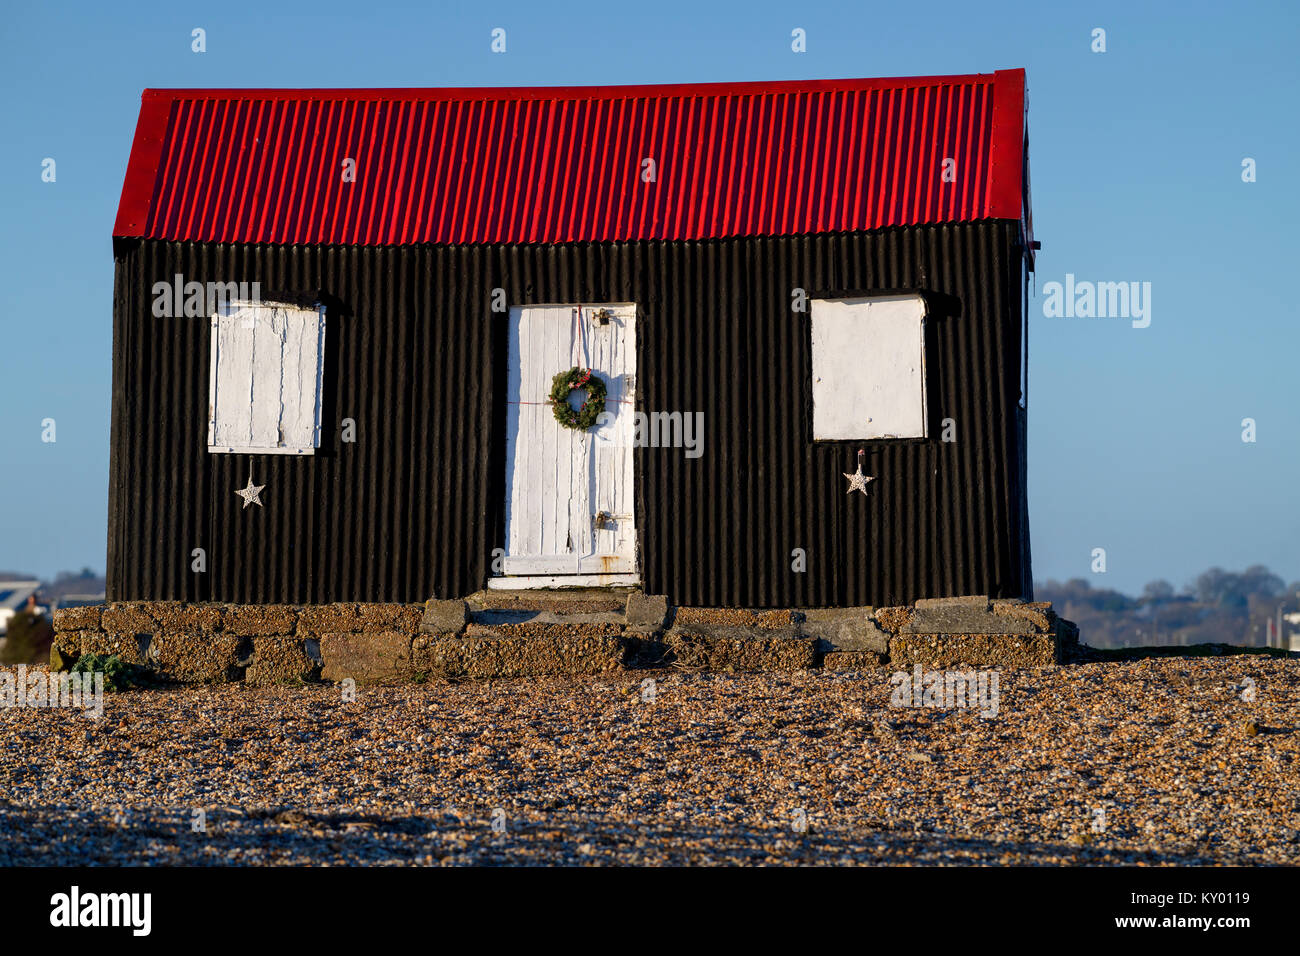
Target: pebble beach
point(1162, 761)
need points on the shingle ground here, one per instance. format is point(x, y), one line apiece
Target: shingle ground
point(1168, 761)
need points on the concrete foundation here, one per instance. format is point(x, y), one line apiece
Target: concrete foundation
point(491, 636)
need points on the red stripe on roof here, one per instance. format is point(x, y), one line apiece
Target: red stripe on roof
point(565, 164)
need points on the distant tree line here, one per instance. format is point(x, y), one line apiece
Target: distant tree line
point(1221, 607)
point(85, 581)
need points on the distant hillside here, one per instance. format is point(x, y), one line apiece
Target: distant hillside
point(84, 581)
point(1218, 607)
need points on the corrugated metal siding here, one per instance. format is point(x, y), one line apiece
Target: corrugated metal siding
point(414, 508)
point(485, 166)
point(396, 515)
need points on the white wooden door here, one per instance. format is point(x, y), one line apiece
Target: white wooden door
point(569, 502)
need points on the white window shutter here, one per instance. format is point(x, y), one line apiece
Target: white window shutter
point(266, 377)
point(868, 360)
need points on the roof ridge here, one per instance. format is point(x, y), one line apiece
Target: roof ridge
point(710, 88)
point(574, 164)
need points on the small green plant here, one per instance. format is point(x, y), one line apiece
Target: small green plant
point(118, 675)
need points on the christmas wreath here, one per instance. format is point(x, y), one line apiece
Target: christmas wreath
point(564, 383)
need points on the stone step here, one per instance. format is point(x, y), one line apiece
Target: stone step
point(739, 648)
point(733, 617)
point(546, 629)
point(561, 601)
point(533, 634)
point(495, 617)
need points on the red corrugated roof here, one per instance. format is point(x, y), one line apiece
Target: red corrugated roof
point(565, 164)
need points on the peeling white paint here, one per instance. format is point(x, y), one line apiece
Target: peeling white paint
point(557, 479)
point(868, 361)
point(267, 364)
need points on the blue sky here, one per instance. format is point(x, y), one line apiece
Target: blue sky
point(1135, 434)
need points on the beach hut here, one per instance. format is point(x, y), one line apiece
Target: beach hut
point(753, 344)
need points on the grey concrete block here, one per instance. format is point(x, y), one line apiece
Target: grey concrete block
point(258, 620)
point(277, 660)
point(967, 600)
point(556, 600)
point(1035, 617)
point(402, 618)
point(453, 658)
point(848, 634)
point(837, 613)
point(84, 618)
point(536, 629)
point(366, 657)
point(499, 618)
point(196, 658)
point(444, 617)
point(645, 631)
point(329, 619)
point(127, 617)
point(975, 650)
point(740, 648)
point(965, 619)
point(650, 610)
point(738, 633)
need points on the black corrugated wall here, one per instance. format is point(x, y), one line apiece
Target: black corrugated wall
point(414, 355)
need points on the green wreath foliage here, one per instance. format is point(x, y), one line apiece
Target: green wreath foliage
point(577, 378)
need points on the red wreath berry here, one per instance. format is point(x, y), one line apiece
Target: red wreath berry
point(592, 406)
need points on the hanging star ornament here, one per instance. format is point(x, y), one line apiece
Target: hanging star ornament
point(857, 480)
point(250, 493)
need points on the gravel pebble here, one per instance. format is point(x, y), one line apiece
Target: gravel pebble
point(1159, 761)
